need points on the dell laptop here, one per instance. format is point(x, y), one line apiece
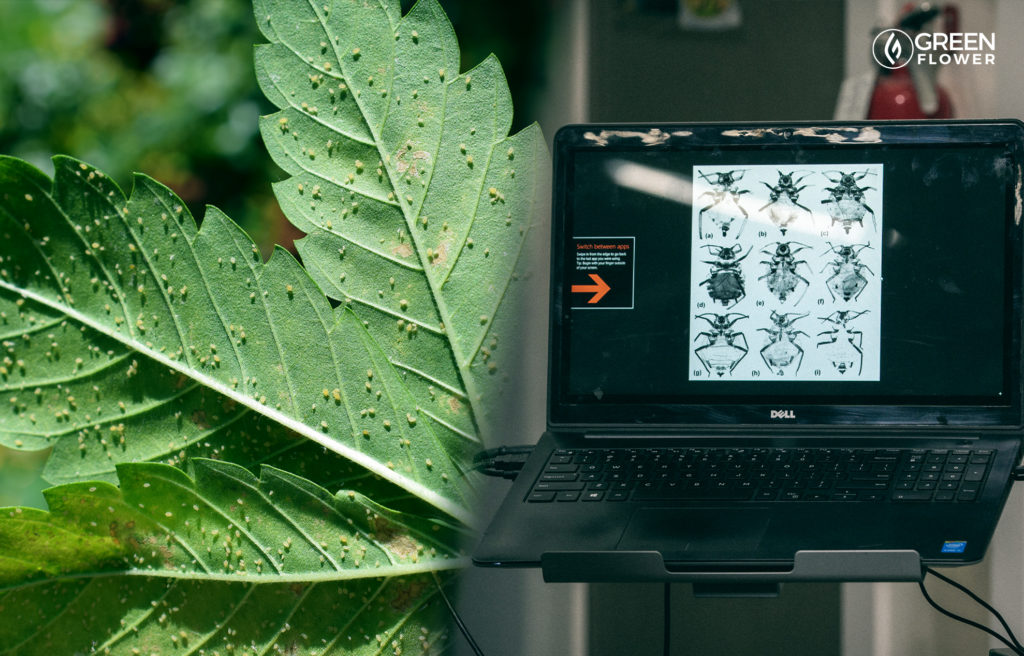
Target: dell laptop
point(775, 340)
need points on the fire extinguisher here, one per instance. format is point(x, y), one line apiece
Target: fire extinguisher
point(911, 91)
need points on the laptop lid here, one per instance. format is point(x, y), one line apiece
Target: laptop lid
point(798, 275)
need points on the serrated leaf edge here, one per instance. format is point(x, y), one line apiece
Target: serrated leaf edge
point(420, 490)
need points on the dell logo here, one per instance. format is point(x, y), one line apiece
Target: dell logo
point(783, 414)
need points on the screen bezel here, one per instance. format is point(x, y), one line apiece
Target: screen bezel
point(564, 413)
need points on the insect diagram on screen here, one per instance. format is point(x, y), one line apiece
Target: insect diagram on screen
point(786, 271)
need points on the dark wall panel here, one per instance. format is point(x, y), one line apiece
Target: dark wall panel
point(785, 62)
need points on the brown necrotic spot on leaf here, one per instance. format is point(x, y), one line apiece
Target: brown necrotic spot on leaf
point(391, 537)
point(199, 419)
point(407, 593)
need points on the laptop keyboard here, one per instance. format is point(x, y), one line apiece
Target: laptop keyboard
point(762, 474)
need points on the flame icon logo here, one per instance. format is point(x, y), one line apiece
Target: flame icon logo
point(893, 49)
point(889, 50)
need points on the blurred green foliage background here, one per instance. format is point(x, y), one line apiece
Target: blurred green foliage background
point(141, 85)
point(167, 87)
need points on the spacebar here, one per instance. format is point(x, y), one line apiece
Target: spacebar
point(677, 494)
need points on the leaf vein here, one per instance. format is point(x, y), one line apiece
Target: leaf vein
point(333, 181)
point(14, 648)
point(80, 375)
point(451, 427)
point(415, 487)
point(33, 329)
point(243, 371)
point(129, 628)
point(122, 217)
point(428, 377)
point(194, 493)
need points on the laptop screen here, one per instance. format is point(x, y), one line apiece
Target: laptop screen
point(805, 275)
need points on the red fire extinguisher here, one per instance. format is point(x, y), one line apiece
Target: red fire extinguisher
point(911, 91)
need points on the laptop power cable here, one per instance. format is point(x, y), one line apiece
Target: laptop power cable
point(1010, 640)
point(502, 462)
point(463, 629)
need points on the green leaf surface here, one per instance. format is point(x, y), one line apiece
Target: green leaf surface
point(141, 615)
point(203, 304)
point(130, 333)
point(223, 524)
point(161, 421)
point(416, 202)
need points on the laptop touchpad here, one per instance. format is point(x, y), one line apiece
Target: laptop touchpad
point(695, 530)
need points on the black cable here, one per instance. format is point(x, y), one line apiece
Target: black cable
point(979, 601)
point(1014, 646)
point(668, 624)
point(458, 620)
point(501, 451)
point(501, 462)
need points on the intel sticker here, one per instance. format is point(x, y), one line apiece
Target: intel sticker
point(954, 546)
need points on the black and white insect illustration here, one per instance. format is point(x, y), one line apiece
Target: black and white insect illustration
point(722, 348)
point(782, 348)
point(784, 205)
point(843, 346)
point(782, 276)
point(845, 202)
point(847, 281)
point(725, 282)
point(792, 292)
point(724, 207)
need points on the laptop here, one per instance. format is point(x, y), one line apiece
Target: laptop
point(773, 343)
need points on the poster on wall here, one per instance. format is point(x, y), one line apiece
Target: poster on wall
point(786, 271)
point(709, 15)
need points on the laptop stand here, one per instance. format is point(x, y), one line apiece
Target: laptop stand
point(808, 566)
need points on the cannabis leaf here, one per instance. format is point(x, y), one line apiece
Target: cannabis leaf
point(50, 366)
point(141, 615)
point(416, 202)
point(130, 333)
point(203, 304)
point(222, 523)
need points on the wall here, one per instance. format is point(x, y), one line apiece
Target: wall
point(785, 62)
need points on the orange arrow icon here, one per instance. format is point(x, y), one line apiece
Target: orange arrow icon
point(599, 290)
